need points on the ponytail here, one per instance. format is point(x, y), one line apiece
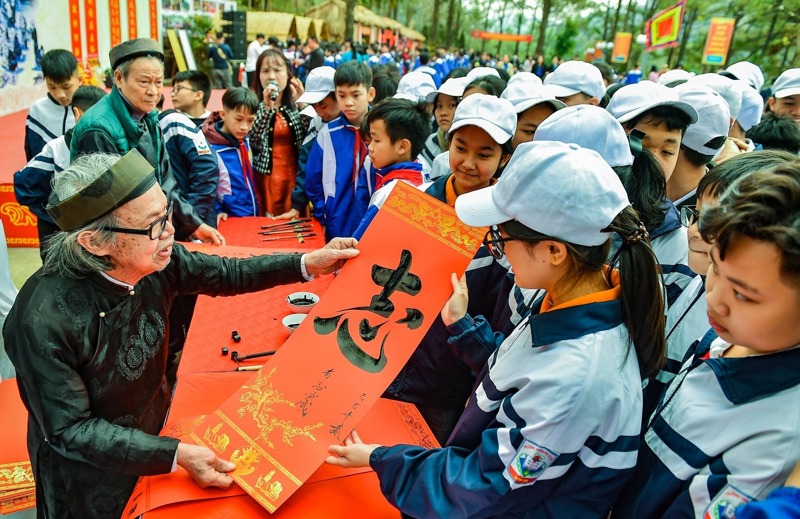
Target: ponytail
point(642, 295)
point(646, 187)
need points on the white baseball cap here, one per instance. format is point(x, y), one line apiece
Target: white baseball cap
point(713, 117)
point(453, 87)
point(479, 72)
point(752, 109)
point(524, 77)
point(747, 72)
point(319, 84)
point(787, 84)
point(525, 95)
point(560, 190)
point(632, 101)
point(573, 77)
point(730, 91)
point(589, 127)
point(415, 86)
point(491, 114)
point(673, 75)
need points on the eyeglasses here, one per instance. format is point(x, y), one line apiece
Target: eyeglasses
point(689, 215)
point(178, 88)
point(494, 242)
point(153, 231)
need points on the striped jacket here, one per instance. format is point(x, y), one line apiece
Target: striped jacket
point(552, 429)
point(726, 432)
point(46, 120)
point(32, 184)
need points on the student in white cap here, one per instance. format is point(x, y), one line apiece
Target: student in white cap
point(594, 128)
point(415, 87)
point(656, 112)
point(320, 96)
point(490, 85)
point(785, 99)
point(672, 76)
point(749, 116)
point(533, 104)
point(524, 77)
point(576, 82)
point(553, 424)
point(701, 141)
point(444, 101)
point(747, 72)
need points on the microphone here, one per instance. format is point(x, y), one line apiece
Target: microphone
point(273, 87)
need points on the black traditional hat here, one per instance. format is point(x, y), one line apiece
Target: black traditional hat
point(132, 49)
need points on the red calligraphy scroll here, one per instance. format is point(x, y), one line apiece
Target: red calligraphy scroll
point(115, 22)
point(316, 389)
point(90, 15)
point(75, 28)
point(132, 20)
point(154, 32)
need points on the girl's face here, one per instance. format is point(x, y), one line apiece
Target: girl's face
point(698, 248)
point(274, 70)
point(443, 111)
point(474, 158)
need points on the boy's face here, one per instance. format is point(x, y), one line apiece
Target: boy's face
point(749, 303)
point(237, 122)
point(699, 249)
point(62, 91)
point(662, 142)
point(443, 110)
point(184, 96)
point(327, 109)
point(529, 120)
point(789, 105)
point(382, 152)
point(354, 101)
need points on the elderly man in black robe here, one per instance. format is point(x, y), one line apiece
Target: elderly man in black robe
point(87, 335)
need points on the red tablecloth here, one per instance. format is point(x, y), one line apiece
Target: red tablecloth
point(245, 232)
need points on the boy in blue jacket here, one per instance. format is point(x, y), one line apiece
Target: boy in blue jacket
point(338, 154)
point(226, 132)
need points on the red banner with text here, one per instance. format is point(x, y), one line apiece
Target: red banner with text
point(90, 15)
point(115, 20)
point(501, 36)
point(75, 28)
point(154, 32)
point(719, 38)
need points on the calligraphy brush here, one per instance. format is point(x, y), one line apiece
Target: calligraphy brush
point(286, 231)
point(290, 236)
point(290, 222)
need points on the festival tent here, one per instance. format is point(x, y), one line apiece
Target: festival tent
point(281, 25)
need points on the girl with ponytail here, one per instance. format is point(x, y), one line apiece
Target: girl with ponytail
point(553, 426)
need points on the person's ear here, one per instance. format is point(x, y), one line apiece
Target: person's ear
point(118, 78)
point(371, 94)
point(504, 160)
point(198, 96)
point(77, 112)
point(404, 146)
point(89, 241)
point(771, 104)
point(556, 252)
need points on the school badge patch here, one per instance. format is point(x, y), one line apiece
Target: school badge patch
point(202, 147)
point(530, 462)
point(725, 503)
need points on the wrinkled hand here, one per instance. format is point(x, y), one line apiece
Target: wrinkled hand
point(456, 307)
point(206, 469)
point(221, 217)
point(332, 257)
point(354, 452)
point(291, 214)
point(208, 234)
point(296, 87)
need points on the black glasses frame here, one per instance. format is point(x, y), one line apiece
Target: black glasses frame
point(494, 242)
point(689, 215)
point(178, 88)
point(159, 224)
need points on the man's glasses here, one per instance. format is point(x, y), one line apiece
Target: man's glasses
point(178, 88)
point(153, 231)
point(689, 215)
point(494, 242)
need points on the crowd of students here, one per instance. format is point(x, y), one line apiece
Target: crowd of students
point(624, 341)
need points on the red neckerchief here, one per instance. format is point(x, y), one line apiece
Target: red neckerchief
point(247, 166)
point(412, 176)
point(359, 152)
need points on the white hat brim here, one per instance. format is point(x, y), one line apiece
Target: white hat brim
point(786, 92)
point(498, 135)
point(680, 105)
point(562, 91)
point(530, 103)
point(312, 97)
point(478, 209)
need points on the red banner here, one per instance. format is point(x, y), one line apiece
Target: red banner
point(154, 33)
point(132, 20)
point(663, 29)
point(75, 28)
point(90, 16)
point(115, 22)
point(719, 39)
point(19, 223)
point(622, 47)
point(334, 367)
point(501, 36)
